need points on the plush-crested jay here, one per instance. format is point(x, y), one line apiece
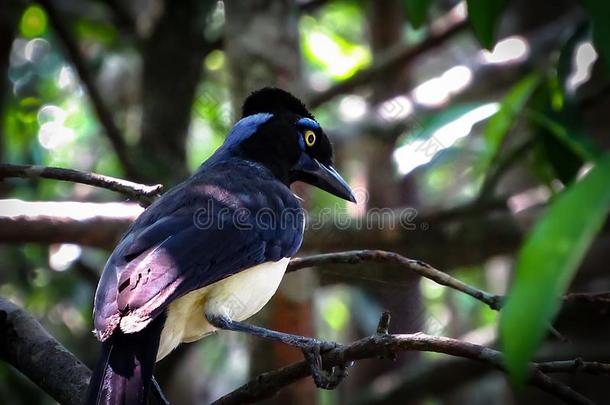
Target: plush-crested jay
point(211, 251)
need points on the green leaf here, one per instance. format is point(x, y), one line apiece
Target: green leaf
point(417, 11)
point(501, 122)
point(575, 140)
point(599, 10)
point(484, 16)
point(547, 262)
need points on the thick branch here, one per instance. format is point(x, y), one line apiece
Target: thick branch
point(268, 384)
point(87, 224)
point(398, 230)
point(138, 192)
point(101, 110)
point(25, 344)
point(28, 347)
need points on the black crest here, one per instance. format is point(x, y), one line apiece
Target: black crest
point(274, 100)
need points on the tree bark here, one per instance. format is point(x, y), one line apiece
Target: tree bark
point(26, 345)
point(173, 57)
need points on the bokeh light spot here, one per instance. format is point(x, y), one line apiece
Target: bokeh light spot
point(33, 22)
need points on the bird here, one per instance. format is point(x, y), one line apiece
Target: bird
point(211, 252)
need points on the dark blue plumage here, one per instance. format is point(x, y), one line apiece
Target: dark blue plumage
point(207, 232)
point(234, 213)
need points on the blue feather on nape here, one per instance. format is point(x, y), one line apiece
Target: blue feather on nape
point(245, 127)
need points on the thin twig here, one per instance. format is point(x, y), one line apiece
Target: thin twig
point(268, 384)
point(418, 266)
point(574, 366)
point(425, 270)
point(142, 193)
point(80, 64)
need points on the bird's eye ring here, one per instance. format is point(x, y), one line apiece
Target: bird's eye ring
point(310, 138)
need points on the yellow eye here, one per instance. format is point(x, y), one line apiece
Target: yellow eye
point(310, 138)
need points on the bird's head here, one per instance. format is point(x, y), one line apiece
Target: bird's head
point(277, 130)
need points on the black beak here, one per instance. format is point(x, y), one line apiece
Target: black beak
point(324, 177)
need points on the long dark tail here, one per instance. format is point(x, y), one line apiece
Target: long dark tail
point(124, 371)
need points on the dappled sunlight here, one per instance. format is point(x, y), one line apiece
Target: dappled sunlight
point(352, 108)
point(63, 255)
point(396, 109)
point(582, 64)
point(528, 199)
point(509, 50)
point(437, 91)
point(13, 208)
point(418, 152)
point(53, 135)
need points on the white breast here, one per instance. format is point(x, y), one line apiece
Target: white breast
point(238, 297)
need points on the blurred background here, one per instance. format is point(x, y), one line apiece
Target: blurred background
point(467, 119)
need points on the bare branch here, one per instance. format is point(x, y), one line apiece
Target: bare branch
point(24, 344)
point(602, 298)
point(391, 61)
point(425, 270)
point(268, 384)
point(574, 366)
point(88, 224)
point(28, 347)
point(142, 193)
point(400, 231)
point(80, 64)
point(419, 267)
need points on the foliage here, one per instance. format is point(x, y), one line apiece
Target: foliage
point(547, 262)
point(483, 16)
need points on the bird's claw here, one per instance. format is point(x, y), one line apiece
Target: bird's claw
point(327, 379)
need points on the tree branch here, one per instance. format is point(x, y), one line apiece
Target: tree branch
point(398, 230)
point(28, 347)
point(268, 384)
point(573, 366)
point(25, 344)
point(80, 64)
point(394, 59)
point(142, 193)
point(425, 270)
point(88, 224)
point(602, 298)
point(418, 266)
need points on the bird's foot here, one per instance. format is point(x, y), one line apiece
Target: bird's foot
point(313, 349)
point(325, 378)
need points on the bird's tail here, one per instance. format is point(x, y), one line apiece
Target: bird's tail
point(124, 371)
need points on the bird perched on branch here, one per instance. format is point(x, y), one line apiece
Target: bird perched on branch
point(212, 251)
